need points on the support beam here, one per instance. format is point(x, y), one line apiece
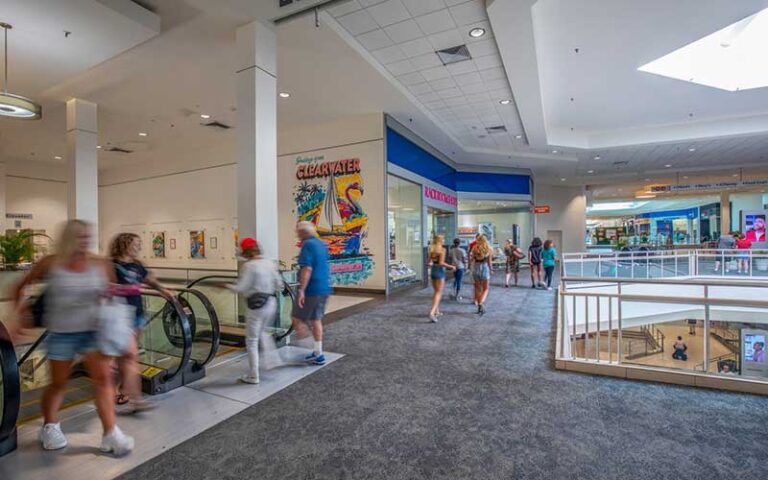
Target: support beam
point(725, 213)
point(82, 156)
point(256, 77)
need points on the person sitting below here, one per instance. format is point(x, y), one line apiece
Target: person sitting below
point(680, 348)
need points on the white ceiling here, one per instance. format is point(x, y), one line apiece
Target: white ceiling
point(372, 56)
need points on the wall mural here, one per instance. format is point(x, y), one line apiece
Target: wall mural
point(328, 194)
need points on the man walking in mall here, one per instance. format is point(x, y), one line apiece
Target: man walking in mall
point(314, 289)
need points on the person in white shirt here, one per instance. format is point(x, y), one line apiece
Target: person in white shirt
point(259, 283)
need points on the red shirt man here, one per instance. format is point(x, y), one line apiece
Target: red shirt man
point(757, 233)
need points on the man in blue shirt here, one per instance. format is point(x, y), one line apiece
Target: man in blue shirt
point(314, 289)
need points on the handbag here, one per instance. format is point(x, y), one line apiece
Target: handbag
point(37, 309)
point(257, 300)
point(115, 326)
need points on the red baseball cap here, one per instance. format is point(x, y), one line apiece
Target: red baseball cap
point(247, 243)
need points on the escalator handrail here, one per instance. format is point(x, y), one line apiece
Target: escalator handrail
point(286, 287)
point(186, 332)
point(215, 326)
point(11, 385)
point(32, 348)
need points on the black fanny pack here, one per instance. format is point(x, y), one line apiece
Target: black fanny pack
point(258, 300)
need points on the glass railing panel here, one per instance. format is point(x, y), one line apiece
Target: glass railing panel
point(738, 337)
point(162, 343)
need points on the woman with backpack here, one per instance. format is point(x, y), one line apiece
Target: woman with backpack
point(534, 258)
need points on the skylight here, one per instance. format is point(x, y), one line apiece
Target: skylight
point(730, 59)
point(615, 206)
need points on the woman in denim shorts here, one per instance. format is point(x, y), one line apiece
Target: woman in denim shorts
point(75, 282)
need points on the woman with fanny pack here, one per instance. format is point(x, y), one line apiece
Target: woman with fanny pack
point(258, 283)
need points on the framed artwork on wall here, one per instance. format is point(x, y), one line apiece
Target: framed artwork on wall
point(196, 244)
point(172, 244)
point(214, 243)
point(158, 244)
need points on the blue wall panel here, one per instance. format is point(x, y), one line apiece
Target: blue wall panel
point(492, 183)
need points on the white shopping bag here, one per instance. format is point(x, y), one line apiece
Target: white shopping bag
point(116, 319)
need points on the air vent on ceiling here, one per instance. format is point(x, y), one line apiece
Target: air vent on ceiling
point(496, 129)
point(215, 124)
point(454, 54)
point(119, 150)
point(621, 163)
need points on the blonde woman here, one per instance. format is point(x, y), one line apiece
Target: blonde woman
point(437, 274)
point(481, 264)
point(75, 282)
point(514, 255)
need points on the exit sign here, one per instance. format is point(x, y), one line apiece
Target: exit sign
point(541, 209)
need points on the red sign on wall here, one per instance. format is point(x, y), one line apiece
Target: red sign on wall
point(541, 209)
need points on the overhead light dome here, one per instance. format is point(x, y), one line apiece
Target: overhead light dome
point(15, 106)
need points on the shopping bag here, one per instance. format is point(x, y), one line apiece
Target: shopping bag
point(116, 320)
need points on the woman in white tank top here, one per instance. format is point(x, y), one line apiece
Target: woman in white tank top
point(75, 282)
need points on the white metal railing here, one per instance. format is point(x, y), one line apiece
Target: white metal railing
point(593, 310)
point(652, 264)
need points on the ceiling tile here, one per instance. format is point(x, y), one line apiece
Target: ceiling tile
point(451, 3)
point(473, 88)
point(483, 48)
point(368, 3)
point(442, 84)
point(469, 12)
point(490, 61)
point(447, 39)
point(456, 101)
point(427, 61)
point(497, 84)
point(493, 74)
point(417, 47)
point(450, 92)
point(344, 8)
point(374, 40)
point(468, 78)
point(435, 104)
point(436, 73)
point(462, 67)
point(420, 89)
point(430, 97)
point(476, 98)
point(411, 78)
point(404, 31)
point(389, 54)
point(401, 68)
point(435, 22)
point(358, 22)
point(389, 12)
point(421, 7)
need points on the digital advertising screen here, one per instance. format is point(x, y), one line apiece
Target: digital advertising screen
point(753, 352)
point(753, 227)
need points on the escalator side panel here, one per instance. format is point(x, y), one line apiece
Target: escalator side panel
point(10, 392)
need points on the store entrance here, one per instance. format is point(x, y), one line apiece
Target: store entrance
point(441, 222)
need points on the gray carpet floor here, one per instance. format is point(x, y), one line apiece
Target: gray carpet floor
point(472, 398)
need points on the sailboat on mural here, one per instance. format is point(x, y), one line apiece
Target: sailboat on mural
point(329, 217)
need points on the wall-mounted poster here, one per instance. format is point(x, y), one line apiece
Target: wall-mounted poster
point(329, 194)
point(753, 359)
point(158, 244)
point(214, 243)
point(172, 244)
point(753, 226)
point(196, 244)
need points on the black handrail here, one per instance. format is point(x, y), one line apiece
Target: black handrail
point(186, 332)
point(11, 390)
point(286, 288)
point(32, 348)
point(215, 326)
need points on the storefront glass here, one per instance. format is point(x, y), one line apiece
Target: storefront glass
point(405, 232)
point(497, 220)
point(441, 222)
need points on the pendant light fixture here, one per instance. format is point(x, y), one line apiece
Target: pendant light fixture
point(11, 105)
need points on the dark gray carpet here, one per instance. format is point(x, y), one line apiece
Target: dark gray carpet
point(472, 398)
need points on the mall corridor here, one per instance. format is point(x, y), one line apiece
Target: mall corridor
point(472, 398)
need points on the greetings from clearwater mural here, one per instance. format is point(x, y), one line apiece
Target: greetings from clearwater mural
point(328, 194)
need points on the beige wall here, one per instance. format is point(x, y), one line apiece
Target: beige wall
point(568, 214)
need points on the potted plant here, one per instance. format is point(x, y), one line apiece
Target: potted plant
point(17, 248)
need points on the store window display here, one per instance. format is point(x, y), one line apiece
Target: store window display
point(406, 264)
point(498, 220)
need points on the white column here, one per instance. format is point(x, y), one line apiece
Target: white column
point(83, 184)
point(3, 187)
point(725, 213)
point(256, 77)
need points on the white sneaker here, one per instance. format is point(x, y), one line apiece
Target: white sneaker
point(116, 442)
point(249, 379)
point(549, 288)
point(51, 437)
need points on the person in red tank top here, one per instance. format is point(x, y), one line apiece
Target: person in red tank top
point(743, 244)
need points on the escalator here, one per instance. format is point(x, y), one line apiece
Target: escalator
point(180, 339)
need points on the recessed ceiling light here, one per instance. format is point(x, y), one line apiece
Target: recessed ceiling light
point(506, 101)
point(691, 149)
point(284, 94)
point(98, 146)
point(205, 116)
point(667, 166)
point(518, 137)
point(142, 134)
point(685, 177)
point(735, 175)
point(57, 157)
point(590, 171)
point(562, 179)
point(738, 66)
point(554, 151)
point(597, 157)
point(477, 32)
